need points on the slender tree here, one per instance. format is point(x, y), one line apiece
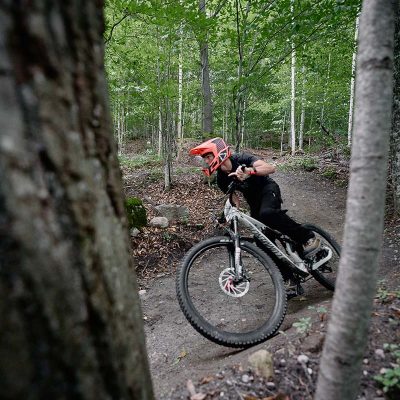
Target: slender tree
point(353, 71)
point(208, 118)
point(303, 109)
point(346, 339)
point(293, 93)
point(71, 324)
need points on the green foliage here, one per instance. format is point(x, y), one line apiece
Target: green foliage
point(394, 350)
point(304, 163)
point(136, 213)
point(389, 378)
point(154, 175)
point(303, 325)
point(384, 294)
point(329, 173)
point(308, 164)
point(140, 160)
point(390, 381)
point(319, 309)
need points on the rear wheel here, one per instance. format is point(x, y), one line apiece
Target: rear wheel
point(229, 312)
point(326, 274)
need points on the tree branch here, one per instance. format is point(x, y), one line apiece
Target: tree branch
point(115, 25)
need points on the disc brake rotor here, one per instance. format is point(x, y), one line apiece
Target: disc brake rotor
point(229, 286)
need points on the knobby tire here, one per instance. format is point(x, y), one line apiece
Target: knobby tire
point(199, 321)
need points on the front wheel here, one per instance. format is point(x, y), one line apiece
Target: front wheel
point(230, 312)
point(326, 274)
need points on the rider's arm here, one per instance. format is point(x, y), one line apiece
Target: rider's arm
point(257, 167)
point(260, 168)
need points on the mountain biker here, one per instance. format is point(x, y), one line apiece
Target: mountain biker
point(261, 192)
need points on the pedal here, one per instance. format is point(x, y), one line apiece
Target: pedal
point(299, 290)
point(294, 292)
point(321, 258)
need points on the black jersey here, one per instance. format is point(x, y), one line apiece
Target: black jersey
point(252, 187)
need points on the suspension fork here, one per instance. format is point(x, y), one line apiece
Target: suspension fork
point(238, 250)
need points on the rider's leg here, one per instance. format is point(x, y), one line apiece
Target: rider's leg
point(271, 214)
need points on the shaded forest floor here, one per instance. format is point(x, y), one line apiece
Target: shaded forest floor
point(314, 190)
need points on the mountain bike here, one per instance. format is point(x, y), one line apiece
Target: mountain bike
point(231, 287)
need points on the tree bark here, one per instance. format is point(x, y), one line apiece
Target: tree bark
point(395, 132)
point(340, 368)
point(71, 324)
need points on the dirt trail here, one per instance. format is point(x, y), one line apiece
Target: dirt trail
point(177, 352)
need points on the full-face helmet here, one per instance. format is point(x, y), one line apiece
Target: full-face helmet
point(218, 148)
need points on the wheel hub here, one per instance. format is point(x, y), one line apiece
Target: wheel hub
point(229, 286)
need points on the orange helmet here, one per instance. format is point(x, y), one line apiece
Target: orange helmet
point(218, 148)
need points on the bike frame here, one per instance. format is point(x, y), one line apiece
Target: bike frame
point(295, 262)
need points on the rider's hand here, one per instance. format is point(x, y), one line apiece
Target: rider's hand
point(240, 174)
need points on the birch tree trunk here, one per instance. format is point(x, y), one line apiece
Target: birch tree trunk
point(303, 109)
point(242, 127)
point(180, 98)
point(71, 324)
point(160, 132)
point(395, 132)
point(353, 73)
point(325, 91)
point(208, 119)
point(160, 108)
point(283, 132)
point(340, 368)
point(180, 94)
point(239, 95)
point(293, 96)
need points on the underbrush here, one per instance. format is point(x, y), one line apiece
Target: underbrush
point(147, 159)
point(305, 163)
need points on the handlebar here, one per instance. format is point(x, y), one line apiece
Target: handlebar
point(234, 185)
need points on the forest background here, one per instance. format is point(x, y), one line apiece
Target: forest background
point(260, 74)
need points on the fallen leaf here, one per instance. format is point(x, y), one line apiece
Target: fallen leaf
point(182, 354)
point(278, 396)
point(207, 379)
point(198, 396)
point(190, 387)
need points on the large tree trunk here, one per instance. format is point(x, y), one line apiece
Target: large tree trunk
point(395, 133)
point(208, 119)
point(71, 325)
point(345, 343)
